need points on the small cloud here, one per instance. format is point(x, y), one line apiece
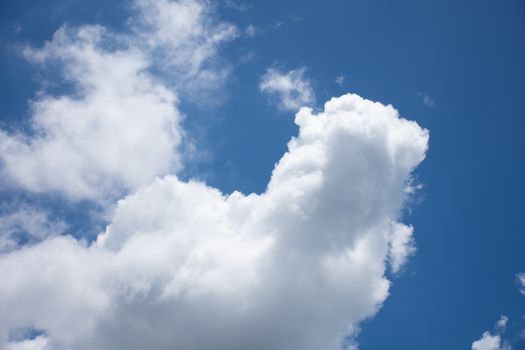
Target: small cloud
point(489, 341)
point(502, 323)
point(290, 91)
point(339, 80)
point(427, 100)
point(250, 31)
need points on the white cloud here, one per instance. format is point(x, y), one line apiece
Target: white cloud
point(339, 80)
point(119, 128)
point(117, 132)
point(496, 341)
point(487, 342)
point(402, 245)
point(184, 266)
point(502, 323)
point(289, 91)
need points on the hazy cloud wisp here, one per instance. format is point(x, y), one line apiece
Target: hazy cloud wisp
point(288, 91)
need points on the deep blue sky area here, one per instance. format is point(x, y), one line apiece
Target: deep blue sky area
point(467, 56)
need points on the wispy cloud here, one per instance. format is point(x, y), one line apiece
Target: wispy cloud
point(426, 99)
point(520, 278)
point(250, 31)
point(27, 225)
point(287, 90)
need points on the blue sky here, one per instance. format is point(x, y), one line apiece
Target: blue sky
point(454, 67)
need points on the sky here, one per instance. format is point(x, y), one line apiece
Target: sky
point(264, 175)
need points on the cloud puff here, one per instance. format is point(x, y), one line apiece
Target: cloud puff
point(289, 91)
point(185, 266)
point(489, 341)
point(502, 323)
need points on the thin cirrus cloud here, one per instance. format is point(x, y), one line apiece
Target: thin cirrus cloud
point(426, 99)
point(287, 90)
point(181, 264)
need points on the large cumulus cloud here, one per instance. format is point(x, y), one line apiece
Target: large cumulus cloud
point(182, 265)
